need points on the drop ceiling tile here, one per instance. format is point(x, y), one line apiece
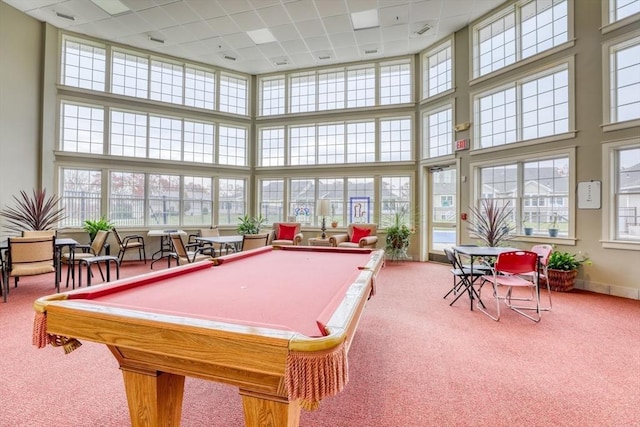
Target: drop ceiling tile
point(395, 33)
point(223, 25)
point(274, 15)
point(360, 5)
point(391, 16)
point(200, 29)
point(181, 12)
point(271, 50)
point(370, 35)
point(347, 53)
point(318, 43)
point(238, 40)
point(132, 23)
point(156, 16)
point(301, 10)
point(235, 6)
point(423, 11)
point(206, 9)
point(310, 28)
point(294, 46)
point(248, 21)
point(342, 40)
point(328, 8)
point(137, 5)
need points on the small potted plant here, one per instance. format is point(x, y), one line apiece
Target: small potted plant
point(397, 241)
point(528, 229)
point(250, 224)
point(562, 269)
point(553, 227)
point(93, 226)
point(491, 222)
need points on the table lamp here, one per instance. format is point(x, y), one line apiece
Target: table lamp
point(323, 210)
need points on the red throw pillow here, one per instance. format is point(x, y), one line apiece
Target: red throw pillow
point(286, 232)
point(359, 233)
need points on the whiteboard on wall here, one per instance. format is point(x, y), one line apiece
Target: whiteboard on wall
point(589, 195)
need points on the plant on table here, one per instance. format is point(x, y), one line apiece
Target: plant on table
point(250, 224)
point(491, 221)
point(33, 212)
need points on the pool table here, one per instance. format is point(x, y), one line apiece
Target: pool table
point(276, 322)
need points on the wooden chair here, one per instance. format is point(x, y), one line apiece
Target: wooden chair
point(357, 236)
point(29, 256)
point(130, 242)
point(286, 233)
point(253, 241)
point(72, 259)
point(184, 256)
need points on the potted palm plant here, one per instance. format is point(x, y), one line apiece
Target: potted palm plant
point(562, 269)
point(33, 212)
point(491, 222)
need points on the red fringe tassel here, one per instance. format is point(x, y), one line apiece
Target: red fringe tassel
point(41, 338)
point(310, 377)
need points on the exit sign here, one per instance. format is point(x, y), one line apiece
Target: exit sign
point(462, 144)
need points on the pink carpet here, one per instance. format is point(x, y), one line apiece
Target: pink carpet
point(415, 361)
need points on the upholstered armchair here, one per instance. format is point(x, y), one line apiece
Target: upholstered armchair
point(286, 233)
point(358, 236)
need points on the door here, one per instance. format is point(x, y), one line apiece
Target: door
point(444, 212)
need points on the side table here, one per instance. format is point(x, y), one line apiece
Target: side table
point(319, 241)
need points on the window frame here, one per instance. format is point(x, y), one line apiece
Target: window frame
point(609, 25)
point(569, 152)
point(435, 49)
point(609, 191)
point(517, 81)
point(608, 48)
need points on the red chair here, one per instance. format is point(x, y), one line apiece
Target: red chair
point(507, 272)
point(544, 252)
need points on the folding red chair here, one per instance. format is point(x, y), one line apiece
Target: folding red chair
point(507, 273)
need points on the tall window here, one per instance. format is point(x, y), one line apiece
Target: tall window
point(361, 200)
point(518, 31)
point(395, 83)
point(83, 64)
point(232, 146)
point(164, 199)
point(128, 134)
point(129, 74)
point(233, 94)
point(197, 200)
point(302, 92)
point(627, 193)
point(127, 198)
point(232, 200)
point(437, 70)
point(272, 96)
point(361, 142)
point(395, 200)
point(81, 195)
point(361, 87)
point(331, 90)
point(165, 138)
point(620, 9)
point(302, 199)
point(533, 107)
point(82, 128)
point(302, 143)
point(624, 80)
point(272, 200)
point(271, 143)
point(437, 132)
point(166, 82)
point(332, 189)
point(198, 142)
point(331, 145)
point(536, 190)
point(395, 140)
point(199, 88)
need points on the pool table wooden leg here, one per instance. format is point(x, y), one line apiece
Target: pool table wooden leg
point(269, 411)
point(155, 398)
